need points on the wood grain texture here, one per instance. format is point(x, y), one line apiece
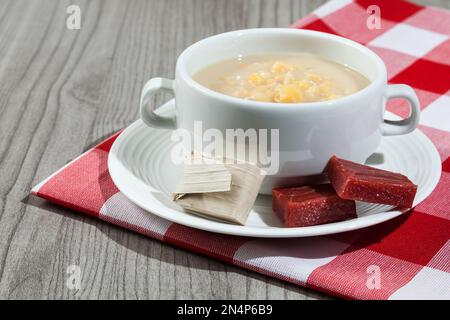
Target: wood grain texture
point(61, 91)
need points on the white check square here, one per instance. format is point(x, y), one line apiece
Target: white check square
point(428, 284)
point(437, 114)
point(330, 7)
point(410, 40)
point(293, 258)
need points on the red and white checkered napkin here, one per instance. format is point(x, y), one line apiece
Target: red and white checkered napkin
point(412, 252)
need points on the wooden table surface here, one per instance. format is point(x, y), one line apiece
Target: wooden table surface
point(61, 92)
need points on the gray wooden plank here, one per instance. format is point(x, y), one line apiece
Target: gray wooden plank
point(62, 91)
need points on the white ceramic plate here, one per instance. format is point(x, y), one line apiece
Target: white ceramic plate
point(140, 166)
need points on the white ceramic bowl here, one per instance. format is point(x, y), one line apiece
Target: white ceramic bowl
point(350, 127)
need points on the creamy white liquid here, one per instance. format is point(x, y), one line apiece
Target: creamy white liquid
point(288, 78)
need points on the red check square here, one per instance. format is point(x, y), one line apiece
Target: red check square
point(319, 25)
point(300, 24)
point(220, 246)
point(446, 165)
point(70, 183)
point(426, 75)
point(392, 9)
point(414, 237)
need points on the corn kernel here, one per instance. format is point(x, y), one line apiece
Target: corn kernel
point(279, 67)
point(287, 93)
point(279, 81)
point(304, 84)
point(314, 77)
point(255, 79)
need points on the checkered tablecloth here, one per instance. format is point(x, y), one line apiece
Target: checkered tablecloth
point(408, 257)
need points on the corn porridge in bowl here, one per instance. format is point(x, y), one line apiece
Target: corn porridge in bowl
point(282, 78)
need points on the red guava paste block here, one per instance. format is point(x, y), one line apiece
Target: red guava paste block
point(311, 205)
point(355, 181)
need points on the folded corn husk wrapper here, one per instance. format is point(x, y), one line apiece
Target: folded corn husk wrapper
point(203, 175)
point(219, 188)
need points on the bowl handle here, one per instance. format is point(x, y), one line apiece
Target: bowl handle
point(397, 127)
point(148, 114)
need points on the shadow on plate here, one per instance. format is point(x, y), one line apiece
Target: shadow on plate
point(376, 158)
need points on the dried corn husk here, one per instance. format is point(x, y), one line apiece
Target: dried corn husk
point(200, 187)
point(206, 177)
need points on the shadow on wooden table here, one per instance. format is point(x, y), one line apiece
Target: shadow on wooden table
point(121, 237)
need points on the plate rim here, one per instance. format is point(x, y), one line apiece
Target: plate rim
point(201, 223)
